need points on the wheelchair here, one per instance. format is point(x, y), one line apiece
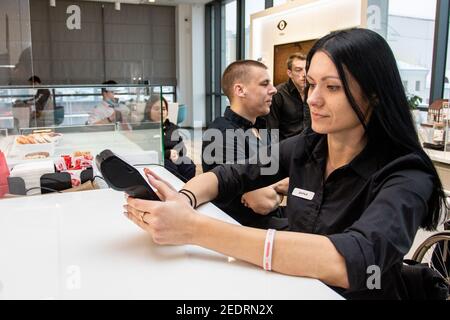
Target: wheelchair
point(435, 251)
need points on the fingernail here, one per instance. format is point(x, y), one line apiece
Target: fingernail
point(146, 170)
point(125, 214)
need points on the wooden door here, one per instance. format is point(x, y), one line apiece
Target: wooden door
point(282, 53)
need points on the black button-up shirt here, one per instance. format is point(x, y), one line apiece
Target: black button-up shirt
point(288, 112)
point(370, 209)
point(242, 148)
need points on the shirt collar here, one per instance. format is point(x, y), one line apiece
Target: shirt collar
point(291, 86)
point(243, 123)
point(293, 89)
point(365, 164)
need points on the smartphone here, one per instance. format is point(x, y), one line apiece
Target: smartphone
point(122, 176)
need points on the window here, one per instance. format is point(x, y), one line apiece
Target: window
point(410, 24)
point(279, 2)
point(405, 84)
point(250, 8)
point(230, 33)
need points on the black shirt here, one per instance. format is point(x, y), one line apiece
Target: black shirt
point(288, 112)
point(370, 209)
point(245, 146)
point(172, 139)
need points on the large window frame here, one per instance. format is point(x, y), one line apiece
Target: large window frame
point(214, 47)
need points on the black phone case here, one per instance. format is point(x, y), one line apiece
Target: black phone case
point(121, 176)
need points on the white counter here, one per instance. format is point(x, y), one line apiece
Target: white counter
point(80, 246)
point(438, 156)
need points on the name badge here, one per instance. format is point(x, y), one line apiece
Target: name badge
point(304, 194)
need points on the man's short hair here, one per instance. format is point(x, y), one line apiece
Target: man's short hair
point(238, 71)
point(35, 79)
point(292, 57)
point(108, 82)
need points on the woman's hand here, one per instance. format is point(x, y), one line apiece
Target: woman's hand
point(263, 201)
point(169, 221)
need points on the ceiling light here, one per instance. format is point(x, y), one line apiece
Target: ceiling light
point(117, 6)
point(52, 3)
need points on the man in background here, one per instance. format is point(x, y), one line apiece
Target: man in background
point(41, 105)
point(108, 111)
point(249, 89)
point(289, 112)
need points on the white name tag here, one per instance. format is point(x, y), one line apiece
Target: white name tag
point(304, 194)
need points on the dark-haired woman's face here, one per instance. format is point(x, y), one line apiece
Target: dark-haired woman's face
point(155, 111)
point(330, 109)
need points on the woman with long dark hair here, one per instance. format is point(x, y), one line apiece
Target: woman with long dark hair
point(360, 184)
point(175, 159)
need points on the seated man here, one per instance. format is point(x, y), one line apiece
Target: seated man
point(108, 111)
point(237, 137)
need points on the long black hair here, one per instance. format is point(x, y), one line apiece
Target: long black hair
point(369, 59)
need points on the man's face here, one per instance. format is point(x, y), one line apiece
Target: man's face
point(108, 95)
point(258, 92)
point(297, 74)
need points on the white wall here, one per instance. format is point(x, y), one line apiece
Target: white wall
point(306, 20)
point(190, 19)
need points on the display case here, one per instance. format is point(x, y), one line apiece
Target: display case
point(65, 132)
point(434, 131)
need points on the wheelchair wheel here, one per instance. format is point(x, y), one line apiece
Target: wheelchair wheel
point(435, 251)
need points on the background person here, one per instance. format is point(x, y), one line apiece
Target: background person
point(175, 159)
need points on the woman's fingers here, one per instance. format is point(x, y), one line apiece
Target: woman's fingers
point(164, 190)
point(149, 172)
point(137, 220)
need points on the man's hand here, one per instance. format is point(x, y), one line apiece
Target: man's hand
point(174, 155)
point(263, 201)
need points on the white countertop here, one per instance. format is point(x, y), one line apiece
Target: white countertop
point(438, 156)
point(80, 246)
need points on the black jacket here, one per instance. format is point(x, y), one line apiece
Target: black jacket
point(172, 139)
point(288, 112)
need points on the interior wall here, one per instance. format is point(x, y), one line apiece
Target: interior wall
point(190, 27)
point(100, 43)
point(304, 20)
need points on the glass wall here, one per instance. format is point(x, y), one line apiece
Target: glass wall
point(15, 42)
point(61, 129)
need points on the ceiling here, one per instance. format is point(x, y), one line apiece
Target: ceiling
point(160, 2)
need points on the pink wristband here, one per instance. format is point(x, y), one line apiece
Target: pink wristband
point(268, 247)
